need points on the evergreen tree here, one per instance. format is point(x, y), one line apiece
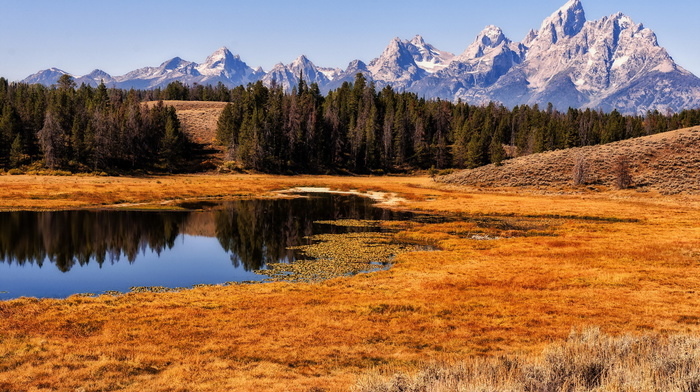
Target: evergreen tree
point(17, 155)
point(172, 144)
point(53, 141)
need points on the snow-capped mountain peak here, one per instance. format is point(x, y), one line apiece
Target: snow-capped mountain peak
point(610, 63)
point(46, 77)
point(217, 63)
point(396, 66)
point(567, 21)
point(426, 56)
point(489, 38)
point(418, 41)
point(301, 62)
point(311, 73)
point(174, 64)
point(288, 75)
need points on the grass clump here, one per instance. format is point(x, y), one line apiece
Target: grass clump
point(587, 361)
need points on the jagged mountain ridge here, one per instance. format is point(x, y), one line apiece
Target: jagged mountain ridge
point(611, 63)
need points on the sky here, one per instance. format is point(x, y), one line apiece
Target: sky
point(118, 36)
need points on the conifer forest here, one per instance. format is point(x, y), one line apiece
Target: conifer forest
point(353, 129)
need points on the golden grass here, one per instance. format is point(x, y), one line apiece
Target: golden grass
point(587, 361)
point(635, 274)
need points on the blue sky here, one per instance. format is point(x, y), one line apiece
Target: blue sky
point(119, 36)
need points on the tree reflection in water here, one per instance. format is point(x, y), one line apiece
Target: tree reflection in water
point(67, 238)
point(254, 232)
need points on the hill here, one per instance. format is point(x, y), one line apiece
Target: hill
point(198, 120)
point(667, 162)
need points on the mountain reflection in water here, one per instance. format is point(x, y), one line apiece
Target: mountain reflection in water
point(251, 233)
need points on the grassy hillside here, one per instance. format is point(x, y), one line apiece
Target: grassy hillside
point(198, 120)
point(667, 162)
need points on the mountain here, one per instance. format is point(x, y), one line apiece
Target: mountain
point(96, 77)
point(611, 63)
point(403, 63)
point(46, 77)
point(355, 67)
point(483, 63)
point(287, 76)
point(427, 57)
point(396, 66)
point(222, 66)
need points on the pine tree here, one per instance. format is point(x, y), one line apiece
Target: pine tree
point(173, 142)
point(17, 155)
point(496, 152)
point(53, 141)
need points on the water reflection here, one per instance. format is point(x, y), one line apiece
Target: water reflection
point(67, 238)
point(251, 234)
point(258, 232)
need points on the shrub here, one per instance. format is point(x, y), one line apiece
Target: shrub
point(589, 360)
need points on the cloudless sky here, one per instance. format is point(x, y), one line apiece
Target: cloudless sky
point(119, 36)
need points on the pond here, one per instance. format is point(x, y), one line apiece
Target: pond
point(60, 253)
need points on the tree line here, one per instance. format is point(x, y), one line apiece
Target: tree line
point(355, 128)
point(86, 129)
point(359, 129)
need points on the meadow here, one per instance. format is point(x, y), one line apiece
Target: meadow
point(624, 262)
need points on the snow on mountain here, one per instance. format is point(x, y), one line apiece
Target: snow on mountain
point(287, 76)
point(303, 66)
point(396, 66)
point(46, 77)
point(281, 75)
point(579, 63)
point(222, 66)
point(567, 21)
point(348, 76)
point(483, 63)
point(330, 73)
point(426, 56)
point(154, 77)
point(611, 63)
point(96, 77)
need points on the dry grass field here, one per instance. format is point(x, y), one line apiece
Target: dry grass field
point(199, 120)
point(624, 261)
point(667, 162)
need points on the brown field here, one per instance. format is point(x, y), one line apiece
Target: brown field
point(667, 162)
point(625, 261)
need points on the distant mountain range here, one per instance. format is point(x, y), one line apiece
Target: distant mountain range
point(611, 63)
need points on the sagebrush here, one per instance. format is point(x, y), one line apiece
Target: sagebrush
point(587, 361)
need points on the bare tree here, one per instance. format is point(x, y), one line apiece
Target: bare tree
point(580, 170)
point(621, 171)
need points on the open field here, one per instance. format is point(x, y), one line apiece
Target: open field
point(625, 261)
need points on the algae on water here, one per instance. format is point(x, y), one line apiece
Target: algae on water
point(334, 255)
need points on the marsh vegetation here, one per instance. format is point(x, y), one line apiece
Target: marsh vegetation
point(475, 298)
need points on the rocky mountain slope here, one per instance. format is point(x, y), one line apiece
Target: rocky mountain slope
point(667, 162)
point(611, 63)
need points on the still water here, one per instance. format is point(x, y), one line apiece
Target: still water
point(57, 254)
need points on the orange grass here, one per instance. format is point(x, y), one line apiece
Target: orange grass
point(636, 274)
